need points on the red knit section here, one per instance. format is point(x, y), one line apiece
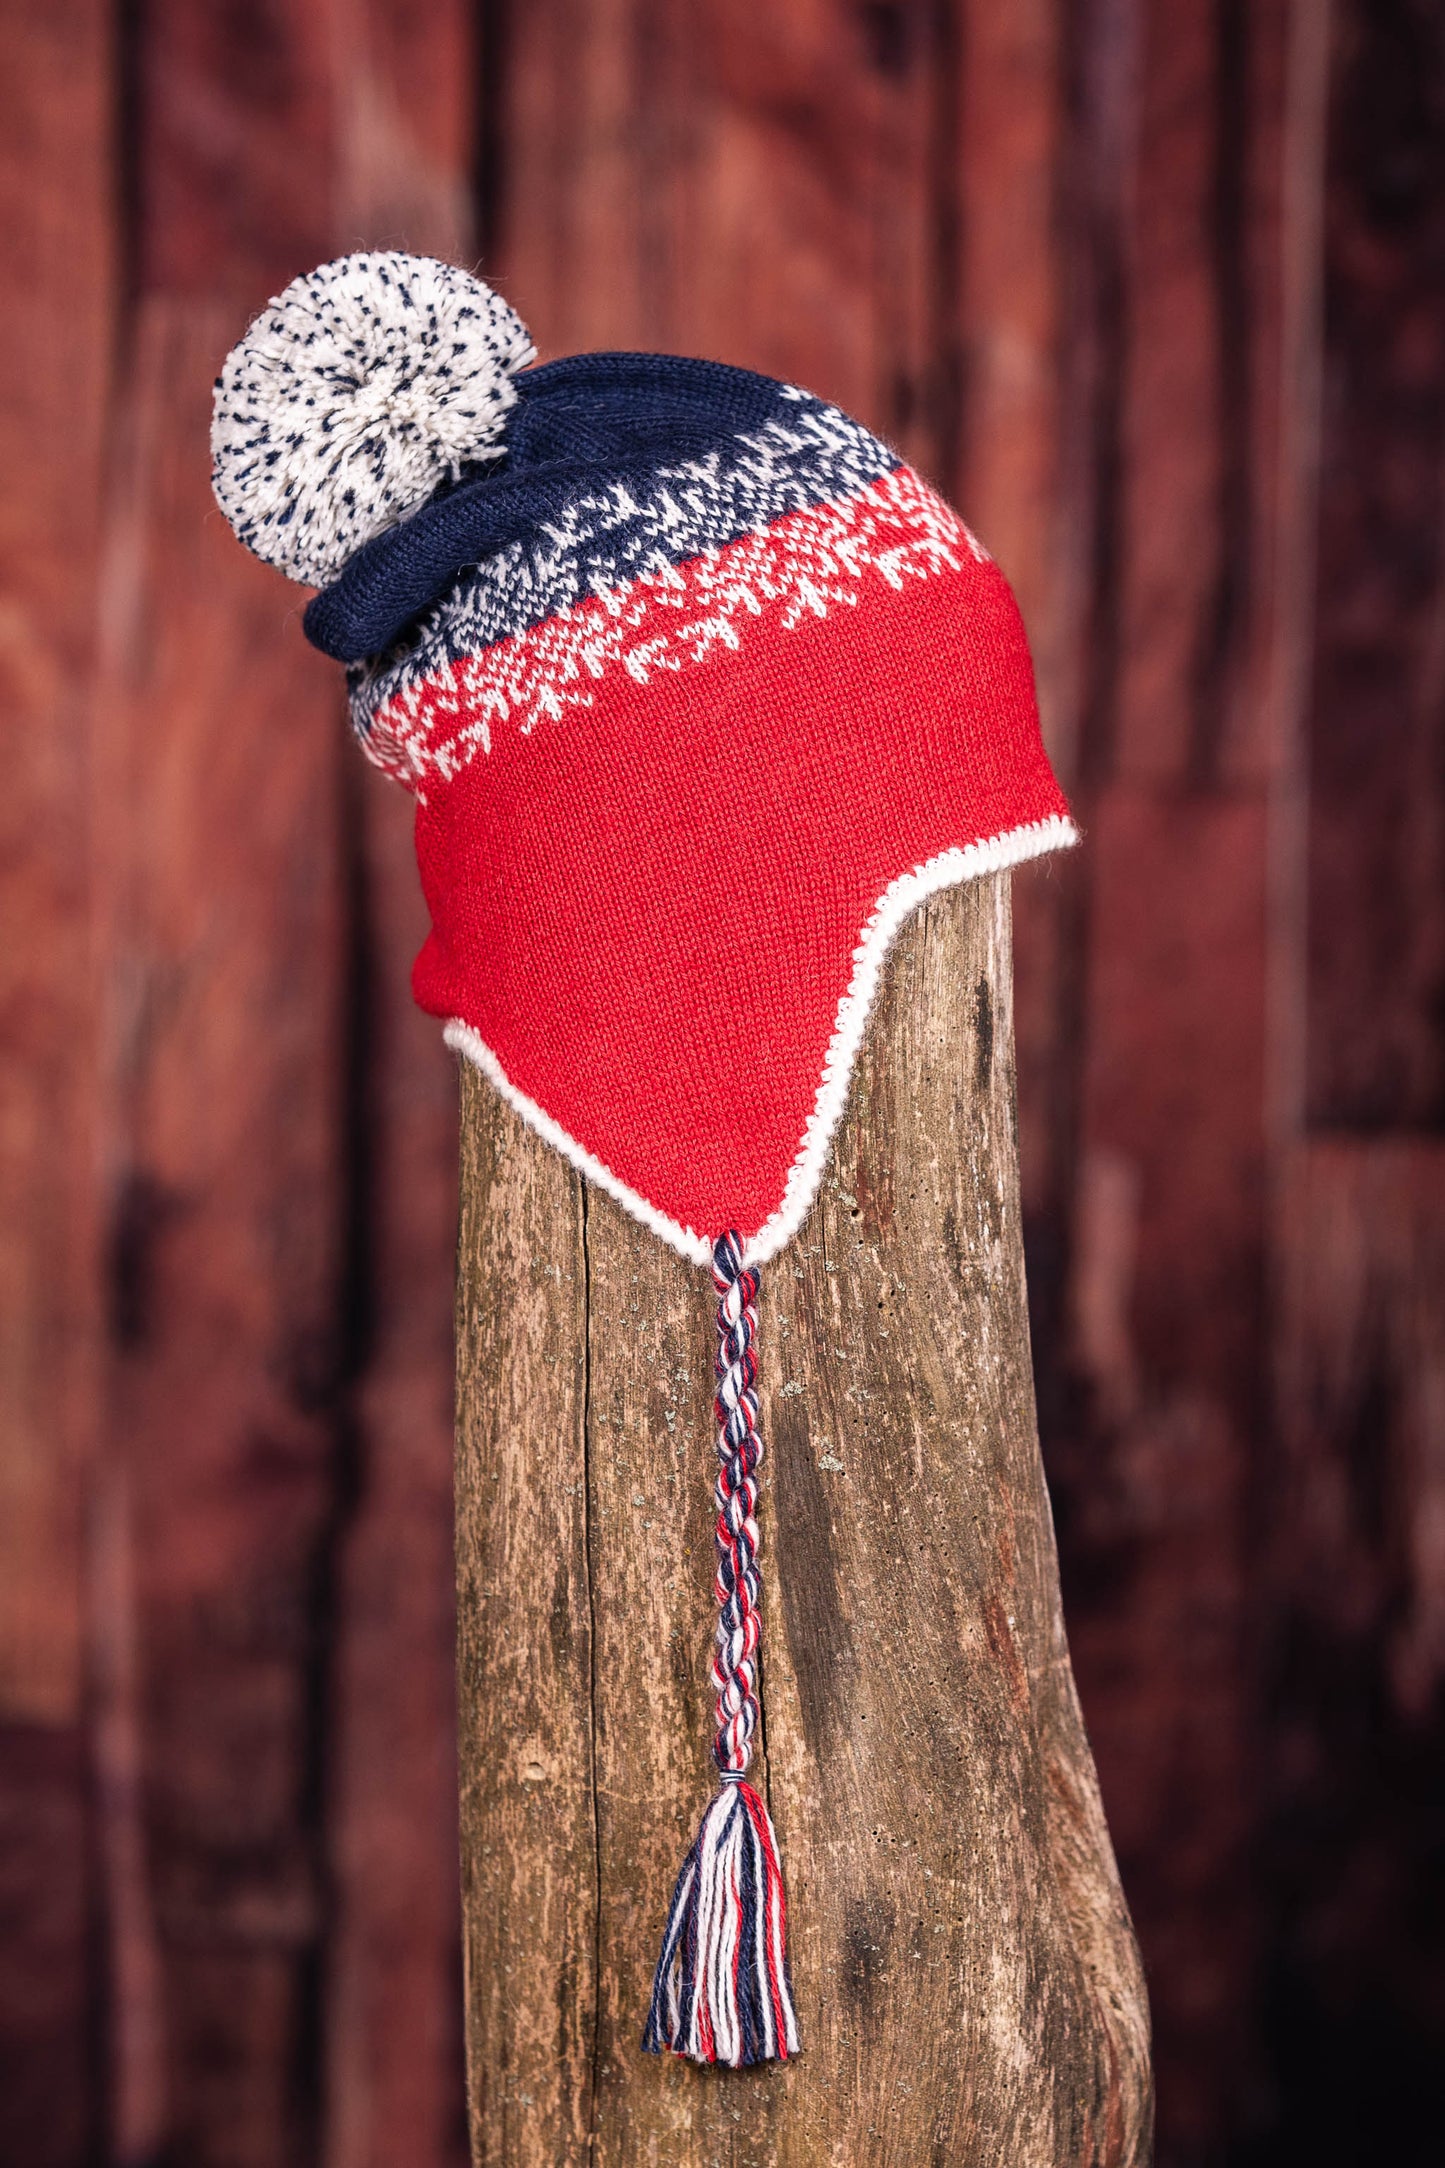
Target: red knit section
point(824, 561)
point(648, 911)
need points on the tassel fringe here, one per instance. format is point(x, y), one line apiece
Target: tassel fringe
point(722, 1993)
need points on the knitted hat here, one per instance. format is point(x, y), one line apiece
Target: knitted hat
point(699, 690)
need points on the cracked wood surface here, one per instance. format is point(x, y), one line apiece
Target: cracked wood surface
point(967, 1980)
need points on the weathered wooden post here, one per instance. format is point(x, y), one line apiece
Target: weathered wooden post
point(965, 1970)
point(705, 697)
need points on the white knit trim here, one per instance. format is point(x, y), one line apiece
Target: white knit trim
point(898, 901)
point(696, 1248)
point(678, 617)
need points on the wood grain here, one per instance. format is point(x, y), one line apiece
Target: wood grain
point(225, 938)
point(56, 254)
point(1376, 962)
point(222, 921)
point(57, 262)
point(1352, 1516)
point(524, 1641)
point(391, 2003)
point(967, 1980)
point(1150, 1045)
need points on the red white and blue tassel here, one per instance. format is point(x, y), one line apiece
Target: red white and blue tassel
point(722, 1993)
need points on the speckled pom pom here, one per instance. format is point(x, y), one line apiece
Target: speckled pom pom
point(357, 391)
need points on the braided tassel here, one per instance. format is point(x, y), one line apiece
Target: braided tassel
point(721, 1992)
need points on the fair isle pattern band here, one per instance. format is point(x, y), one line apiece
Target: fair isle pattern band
point(803, 566)
point(602, 540)
point(898, 901)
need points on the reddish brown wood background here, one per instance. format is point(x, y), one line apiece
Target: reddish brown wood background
point(1157, 292)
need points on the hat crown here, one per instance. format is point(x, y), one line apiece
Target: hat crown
point(356, 393)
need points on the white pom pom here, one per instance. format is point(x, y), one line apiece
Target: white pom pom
point(355, 393)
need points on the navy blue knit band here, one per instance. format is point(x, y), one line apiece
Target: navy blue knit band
point(598, 428)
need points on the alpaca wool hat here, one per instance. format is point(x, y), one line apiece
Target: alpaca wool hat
point(699, 690)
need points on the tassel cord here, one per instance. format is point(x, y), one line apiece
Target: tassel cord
point(722, 1993)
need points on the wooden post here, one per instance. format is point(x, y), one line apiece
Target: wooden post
point(966, 1977)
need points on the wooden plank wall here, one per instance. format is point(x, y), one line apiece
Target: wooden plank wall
point(227, 1692)
point(60, 261)
point(1352, 1588)
point(1155, 293)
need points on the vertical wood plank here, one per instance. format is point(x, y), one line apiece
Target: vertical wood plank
point(1156, 1219)
point(58, 261)
point(236, 152)
point(223, 1027)
point(779, 274)
point(1009, 149)
point(738, 226)
point(1355, 1653)
point(392, 2013)
point(1171, 475)
point(525, 1663)
point(405, 95)
point(1350, 1658)
point(906, 200)
point(1166, 1287)
point(223, 930)
point(1010, 163)
point(572, 137)
point(52, 2107)
point(1376, 959)
point(58, 250)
